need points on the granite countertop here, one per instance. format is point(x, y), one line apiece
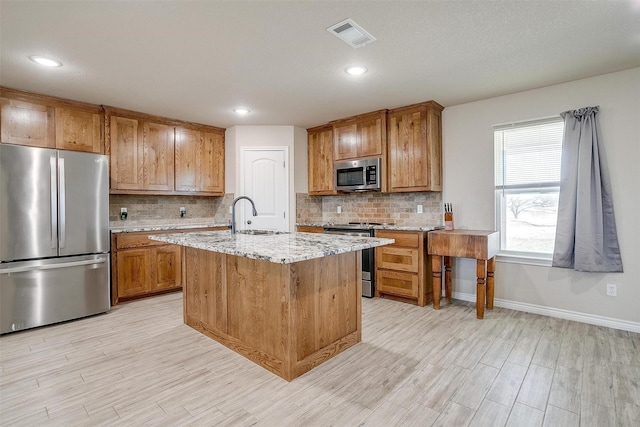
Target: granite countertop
point(131, 226)
point(282, 248)
point(398, 227)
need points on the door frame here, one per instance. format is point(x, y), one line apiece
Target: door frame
point(287, 181)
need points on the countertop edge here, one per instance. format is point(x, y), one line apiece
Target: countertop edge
point(381, 227)
point(182, 240)
point(163, 227)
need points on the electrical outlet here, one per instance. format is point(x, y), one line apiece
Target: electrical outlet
point(612, 290)
point(419, 209)
point(183, 211)
point(123, 213)
point(339, 209)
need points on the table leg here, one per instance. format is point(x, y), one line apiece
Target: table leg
point(447, 278)
point(480, 288)
point(436, 272)
point(491, 265)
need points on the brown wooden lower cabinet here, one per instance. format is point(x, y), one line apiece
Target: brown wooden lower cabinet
point(141, 267)
point(402, 270)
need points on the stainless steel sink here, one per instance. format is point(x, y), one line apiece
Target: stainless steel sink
point(260, 232)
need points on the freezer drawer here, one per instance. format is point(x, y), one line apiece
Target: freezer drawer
point(37, 293)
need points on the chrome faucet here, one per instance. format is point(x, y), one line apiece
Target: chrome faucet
point(233, 211)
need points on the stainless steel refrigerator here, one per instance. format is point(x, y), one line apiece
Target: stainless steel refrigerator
point(54, 236)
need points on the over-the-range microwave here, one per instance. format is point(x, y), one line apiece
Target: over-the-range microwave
point(358, 175)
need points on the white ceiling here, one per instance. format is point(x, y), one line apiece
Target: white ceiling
point(197, 60)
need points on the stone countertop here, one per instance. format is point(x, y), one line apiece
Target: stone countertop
point(398, 227)
point(131, 226)
point(283, 248)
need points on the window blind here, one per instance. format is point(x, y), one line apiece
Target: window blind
point(528, 154)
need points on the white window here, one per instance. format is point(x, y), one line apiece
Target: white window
point(527, 178)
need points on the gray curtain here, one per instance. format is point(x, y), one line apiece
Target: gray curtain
point(586, 238)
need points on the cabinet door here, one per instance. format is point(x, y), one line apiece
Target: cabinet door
point(158, 143)
point(126, 155)
point(134, 272)
point(210, 165)
point(345, 144)
point(166, 267)
point(186, 155)
point(320, 161)
point(434, 147)
point(415, 149)
point(370, 137)
point(25, 123)
point(407, 152)
point(78, 130)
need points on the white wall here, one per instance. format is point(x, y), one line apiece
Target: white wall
point(468, 184)
point(294, 138)
point(301, 176)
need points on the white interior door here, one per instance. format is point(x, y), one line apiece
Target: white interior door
point(263, 177)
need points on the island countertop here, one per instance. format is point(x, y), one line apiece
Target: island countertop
point(281, 248)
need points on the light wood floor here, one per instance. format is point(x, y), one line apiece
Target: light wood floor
point(139, 365)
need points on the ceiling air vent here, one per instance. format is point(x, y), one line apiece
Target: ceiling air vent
point(351, 33)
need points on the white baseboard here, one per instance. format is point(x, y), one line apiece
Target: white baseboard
point(592, 319)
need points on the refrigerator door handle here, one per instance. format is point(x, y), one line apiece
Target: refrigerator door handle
point(53, 203)
point(62, 195)
point(53, 266)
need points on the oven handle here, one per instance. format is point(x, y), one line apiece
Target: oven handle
point(348, 233)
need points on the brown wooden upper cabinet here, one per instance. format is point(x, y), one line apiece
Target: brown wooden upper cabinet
point(199, 157)
point(49, 122)
point(142, 153)
point(415, 148)
point(155, 155)
point(360, 136)
point(320, 160)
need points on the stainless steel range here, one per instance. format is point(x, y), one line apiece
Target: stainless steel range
point(365, 229)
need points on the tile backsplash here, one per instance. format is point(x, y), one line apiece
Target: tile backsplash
point(398, 208)
point(168, 207)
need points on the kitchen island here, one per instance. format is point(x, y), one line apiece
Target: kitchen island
point(286, 301)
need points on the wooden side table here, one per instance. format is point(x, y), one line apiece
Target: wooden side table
point(481, 245)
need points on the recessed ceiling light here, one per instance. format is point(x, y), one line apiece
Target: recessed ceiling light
point(356, 70)
point(45, 61)
point(241, 110)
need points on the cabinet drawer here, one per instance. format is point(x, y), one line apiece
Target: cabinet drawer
point(406, 239)
point(136, 240)
point(309, 229)
point(397, 283)
point(141, 240)
point(393, 258)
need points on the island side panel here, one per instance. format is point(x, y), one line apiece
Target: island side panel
point(258, 309)
point(327, 308)
point(205, 297)
point(252, 307)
